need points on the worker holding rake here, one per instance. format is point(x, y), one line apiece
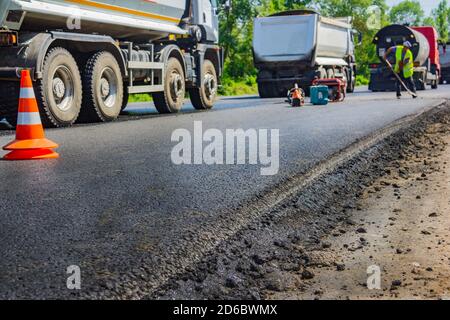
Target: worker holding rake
point(403, 68)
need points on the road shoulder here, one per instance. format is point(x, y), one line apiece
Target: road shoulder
point(400, 227)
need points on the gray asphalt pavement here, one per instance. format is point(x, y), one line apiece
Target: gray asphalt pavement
point(115, 205)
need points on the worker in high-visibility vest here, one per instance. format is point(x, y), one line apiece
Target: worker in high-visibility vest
point(404, 66)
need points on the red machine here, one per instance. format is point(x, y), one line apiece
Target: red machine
point(433, 37)
point(336, 88)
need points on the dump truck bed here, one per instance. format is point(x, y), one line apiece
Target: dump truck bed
point(306, 38)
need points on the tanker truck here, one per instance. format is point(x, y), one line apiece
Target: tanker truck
point(424, 41)
point(297, 47)
point(86, 57)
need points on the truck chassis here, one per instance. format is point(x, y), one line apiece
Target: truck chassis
point(86, 77)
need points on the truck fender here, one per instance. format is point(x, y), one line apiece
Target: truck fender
point(31, 52)
point(167, 52)
point(212, 53)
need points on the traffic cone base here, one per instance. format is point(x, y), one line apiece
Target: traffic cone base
point(30, 142)
point(31, 154)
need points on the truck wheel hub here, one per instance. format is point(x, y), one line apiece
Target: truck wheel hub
point(109, 87)
point(210, 85)
point(59, 88)
point(104, 87)
point(62, 87)
point(176, 85)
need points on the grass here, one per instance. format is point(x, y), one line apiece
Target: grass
point(238, 87)
point(140, 97)
point(361, 80)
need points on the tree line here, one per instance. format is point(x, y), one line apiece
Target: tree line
point(236, 29)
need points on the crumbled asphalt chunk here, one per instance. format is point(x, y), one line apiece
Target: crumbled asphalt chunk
point(232, 281)
point(326, 244)
point(306, 274)
point(396, 283)
point(361, 230)
point(258, 259)
point(340, 267)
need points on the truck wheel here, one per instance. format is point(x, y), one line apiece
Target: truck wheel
point(269, 90)
point(59, 92)
point(263, 91)
point(351, 83)
point(103, 88)
point(172, 99)
point(204, 97)
point(9, 101)
point(126, 96)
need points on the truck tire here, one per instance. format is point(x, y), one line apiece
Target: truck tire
point(103, 89)
point(351, 83)
point(268, 90)
point(172, 99)
point(59, 92)
point(263, 91)
point(126, 96)
point(9, 101)
point(204, 97)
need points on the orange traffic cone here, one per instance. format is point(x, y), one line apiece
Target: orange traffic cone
point(30, 140)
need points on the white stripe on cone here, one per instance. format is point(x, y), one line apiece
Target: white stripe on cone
point(28, 118)
point(26, 93)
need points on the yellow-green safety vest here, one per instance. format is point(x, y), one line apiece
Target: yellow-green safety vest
point(402, 53)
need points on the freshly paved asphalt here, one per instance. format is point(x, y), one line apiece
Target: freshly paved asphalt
point(114, 196)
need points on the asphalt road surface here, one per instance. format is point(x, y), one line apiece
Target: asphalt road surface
point(115, 205)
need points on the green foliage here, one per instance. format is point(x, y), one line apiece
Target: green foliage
point(441, 18)
point(231, 87)
point(236, 32)
point(408, 12)
point(429, 22)
point(361, 80)
point(236, 29)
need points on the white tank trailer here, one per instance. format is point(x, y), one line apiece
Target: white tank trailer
point(298, 46)
point(86, 56)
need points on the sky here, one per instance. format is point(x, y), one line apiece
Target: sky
point(427, 5)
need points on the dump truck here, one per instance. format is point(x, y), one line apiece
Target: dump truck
point(444, 56)
point(86, 57)
point(424, 41)
point(299, 46)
